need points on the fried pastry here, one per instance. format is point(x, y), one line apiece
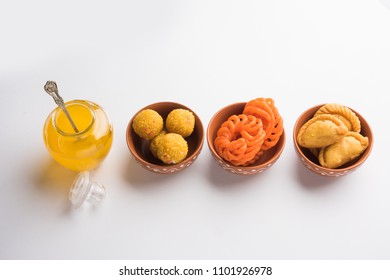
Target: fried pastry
point(346, 115)
point(320, 131)
point(348, 148)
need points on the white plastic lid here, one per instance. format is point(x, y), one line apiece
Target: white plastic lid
point(85, 190)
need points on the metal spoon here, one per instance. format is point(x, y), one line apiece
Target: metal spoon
point(52, 89)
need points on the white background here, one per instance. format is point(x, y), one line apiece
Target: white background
point(124, 55)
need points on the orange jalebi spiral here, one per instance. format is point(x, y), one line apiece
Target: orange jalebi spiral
point(264, 108)
point(239, 139)
point(260, 109)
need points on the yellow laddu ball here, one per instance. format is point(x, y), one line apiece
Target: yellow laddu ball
point(180, 121)
point(148, 124)
point(172, 148)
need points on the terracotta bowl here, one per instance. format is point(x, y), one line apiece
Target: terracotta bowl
point(139, 147)
point(311, 162)
point(264, 162)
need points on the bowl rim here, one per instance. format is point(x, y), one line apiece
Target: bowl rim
point(214, 153)
point(152, 166)
point(357, 163)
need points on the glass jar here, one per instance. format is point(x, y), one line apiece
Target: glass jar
point(80, 150)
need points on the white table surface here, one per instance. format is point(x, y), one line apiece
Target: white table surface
point(204, 54)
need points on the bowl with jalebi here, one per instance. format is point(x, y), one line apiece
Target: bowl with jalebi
point(246, 138)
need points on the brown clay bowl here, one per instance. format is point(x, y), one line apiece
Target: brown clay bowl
point(264, 162)
point(312, 163)
point(139, 147)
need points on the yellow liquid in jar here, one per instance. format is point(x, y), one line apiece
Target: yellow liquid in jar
point(83, 150)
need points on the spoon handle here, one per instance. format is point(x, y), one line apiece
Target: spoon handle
point(52, 89)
